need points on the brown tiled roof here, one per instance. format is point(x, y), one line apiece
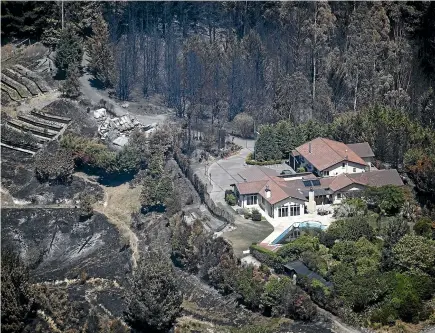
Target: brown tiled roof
point(340, 182)
point(362, 149)
point(326, 153)
point(378, 178)
point(251, 187)
point(256, 173)
point(280, 191)
point(372, 178)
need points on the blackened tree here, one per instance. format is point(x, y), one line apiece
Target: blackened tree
point(100, 53)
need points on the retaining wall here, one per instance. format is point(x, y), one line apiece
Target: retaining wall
point(184, 164)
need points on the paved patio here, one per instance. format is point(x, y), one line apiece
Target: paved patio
point(280, 226)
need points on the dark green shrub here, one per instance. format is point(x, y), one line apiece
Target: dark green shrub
point(256, 215)
point(267, 257)
point(231, 199)
point(86, 209)
point(250, 161)
point(424, 227)
point(301, 169)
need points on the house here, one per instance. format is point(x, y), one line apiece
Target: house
point(281, 196)
point(325, 157)
point(297, 267)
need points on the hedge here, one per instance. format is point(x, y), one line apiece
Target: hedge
point(268, 258)
point(251, 161)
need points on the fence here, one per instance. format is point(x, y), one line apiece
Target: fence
point(201, 188)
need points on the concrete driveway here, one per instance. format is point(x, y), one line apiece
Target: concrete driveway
point(223, 173)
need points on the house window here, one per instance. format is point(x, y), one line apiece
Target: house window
point(262, 201)
point(343, 165)
point(283, 211)
point(338, 195)
point(354, 169)
point(295, 210)
point(326, 173)
point(302, 159)
point(251, 199)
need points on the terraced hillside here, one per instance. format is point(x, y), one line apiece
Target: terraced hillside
point(19, 83)
point(29, 132)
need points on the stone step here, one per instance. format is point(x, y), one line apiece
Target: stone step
point(9, 137)
point(30, 85)
point(11, 92)
point(18, 124)
point(22, 90)
point(40, 82)
point(51, 117)
point(28, 151)
point(37, 121)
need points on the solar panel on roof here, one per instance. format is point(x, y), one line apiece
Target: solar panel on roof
point(315, 182)
point(307, 183)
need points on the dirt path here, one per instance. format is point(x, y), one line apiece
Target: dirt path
point(338, 325)
point(95, 95)
point(118, 205)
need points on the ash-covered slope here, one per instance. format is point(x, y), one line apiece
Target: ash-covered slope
point(59, 245)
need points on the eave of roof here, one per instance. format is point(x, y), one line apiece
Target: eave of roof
point(326, 153)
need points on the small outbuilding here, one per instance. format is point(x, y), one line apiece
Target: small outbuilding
point(298, 267)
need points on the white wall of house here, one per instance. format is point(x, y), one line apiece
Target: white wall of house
point(339, 196)
point(265, 206)
point(338, 169)
point(288, 203)
point(272, 210)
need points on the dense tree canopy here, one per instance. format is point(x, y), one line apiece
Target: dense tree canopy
point(155, 298)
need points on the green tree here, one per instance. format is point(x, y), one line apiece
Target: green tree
point(156, 165)
point(17, 299)
point(155, 298)
point(266, 146)
point(388, 199)
point(249, 287)
point(86, 209)
point(71, 87)
point(69, 51)
point(425, 227)
point(156, 191)
point(350, 229)
point(295, 248)
point(284, 135)
point(100, 51)
point(273, 294)
point(415, 253)
point(392, 232)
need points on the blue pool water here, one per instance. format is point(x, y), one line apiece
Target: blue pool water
point(311, 224)
point(300, 225)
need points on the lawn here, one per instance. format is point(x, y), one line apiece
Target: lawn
point(246, 233)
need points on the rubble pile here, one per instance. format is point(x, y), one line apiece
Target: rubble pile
point(117, 129)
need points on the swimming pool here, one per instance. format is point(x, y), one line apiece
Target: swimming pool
point(299, 225)
point(310, 224)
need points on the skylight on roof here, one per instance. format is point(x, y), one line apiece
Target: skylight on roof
point(313, 182)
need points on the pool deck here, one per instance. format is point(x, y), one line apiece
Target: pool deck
point(280, 226)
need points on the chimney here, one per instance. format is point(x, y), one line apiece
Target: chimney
point(267, 190)
point(309, 147)
point(311, 205)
